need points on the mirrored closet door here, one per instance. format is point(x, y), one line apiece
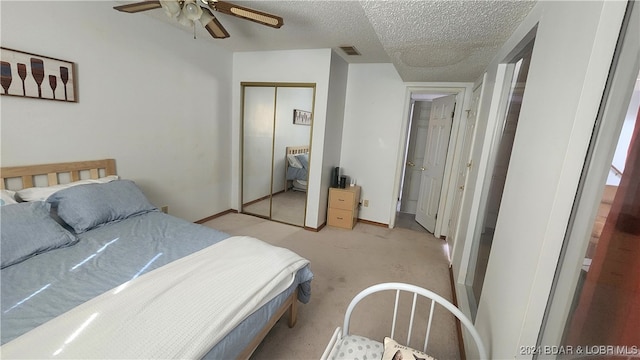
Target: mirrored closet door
point(276, 134)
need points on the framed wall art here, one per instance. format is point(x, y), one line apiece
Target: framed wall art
point(301, 117)
point(36, 76)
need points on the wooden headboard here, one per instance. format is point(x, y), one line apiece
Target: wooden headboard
point(297, 149)
point(21, 177)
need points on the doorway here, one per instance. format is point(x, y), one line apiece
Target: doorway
point(413, 160)
point(414, 157)
point(411, 157)
point(517, 70)
point(434, 158)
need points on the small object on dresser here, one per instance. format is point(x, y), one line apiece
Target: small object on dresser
point(335, 177)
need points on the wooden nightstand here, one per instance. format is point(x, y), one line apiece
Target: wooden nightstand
point(343, 207)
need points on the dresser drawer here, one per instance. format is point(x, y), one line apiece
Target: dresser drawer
point(340, 218)
point(343, 207)
point(341, 199)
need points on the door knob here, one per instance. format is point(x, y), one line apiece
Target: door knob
point(409, 163)
point(423, 168)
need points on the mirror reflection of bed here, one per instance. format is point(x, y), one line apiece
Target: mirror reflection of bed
point(276, 151)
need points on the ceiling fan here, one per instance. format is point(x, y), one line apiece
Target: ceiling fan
point(187, 12)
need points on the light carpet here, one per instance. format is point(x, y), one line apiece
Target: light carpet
point(344, 262)
point(287, 207)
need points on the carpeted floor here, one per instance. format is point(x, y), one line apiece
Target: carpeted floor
point(286, 207)
point(344, 262)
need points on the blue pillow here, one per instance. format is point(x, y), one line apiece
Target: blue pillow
point(304, 160)
point(27, 229)
point(85, 207)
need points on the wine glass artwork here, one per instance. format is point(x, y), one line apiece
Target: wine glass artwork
point(22, 72)
point(64, 76)
point(37, 71)
point(53, 82)
point(40, 76)
point(5, 75)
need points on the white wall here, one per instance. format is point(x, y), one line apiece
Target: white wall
point(295, 66)
point(571, 58)
point(333, 129)
point(148, 97)
point(373, 127)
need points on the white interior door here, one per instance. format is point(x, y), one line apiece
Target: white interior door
point(435, 155)
point(415, 156)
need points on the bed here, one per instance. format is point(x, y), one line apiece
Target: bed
point(100, 272)
point(297, 168)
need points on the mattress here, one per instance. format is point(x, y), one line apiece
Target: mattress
point(43, 287)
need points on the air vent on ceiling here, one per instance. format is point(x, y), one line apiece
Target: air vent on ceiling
point(350, 50)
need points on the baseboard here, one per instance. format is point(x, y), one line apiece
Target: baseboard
point(454, 300)
point(232, 211)
point(373, 223)
point(315, 229)
point(209, 218)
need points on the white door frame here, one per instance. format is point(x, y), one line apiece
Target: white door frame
point(463, 101)
point(462, 179)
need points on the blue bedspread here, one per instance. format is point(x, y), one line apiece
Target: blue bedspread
point(296, 173)
point(52, 283)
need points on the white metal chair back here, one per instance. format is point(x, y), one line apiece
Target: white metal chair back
point(435, 298)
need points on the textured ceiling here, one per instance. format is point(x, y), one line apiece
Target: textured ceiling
point(440, 40)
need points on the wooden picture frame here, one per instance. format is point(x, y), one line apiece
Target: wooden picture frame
point(301, 117)
point(36, 76)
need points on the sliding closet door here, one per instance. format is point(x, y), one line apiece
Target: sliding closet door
point(257, 150)
point(290, 197)
point(272, 188)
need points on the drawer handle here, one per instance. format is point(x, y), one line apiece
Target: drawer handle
point(340, 199)
point(339, 218)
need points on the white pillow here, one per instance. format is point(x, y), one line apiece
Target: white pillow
point(7, 197)
point(42, 193)
point(293, 161)
point(395, 351)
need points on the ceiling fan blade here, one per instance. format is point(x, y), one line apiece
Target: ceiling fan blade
point(137, 7)
point(247, 13)
point(212, 25)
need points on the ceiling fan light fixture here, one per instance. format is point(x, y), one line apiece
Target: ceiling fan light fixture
point(191, 10)
point(170, 7)
point(184, 20)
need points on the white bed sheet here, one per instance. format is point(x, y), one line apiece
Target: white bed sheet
point(115, 324)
